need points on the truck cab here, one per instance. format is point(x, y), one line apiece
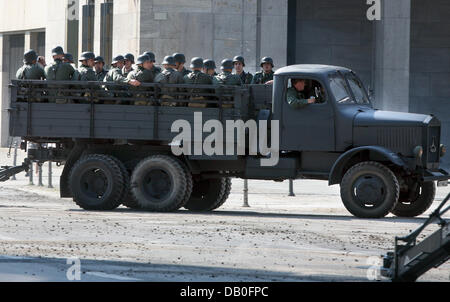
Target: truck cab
point(342, 130)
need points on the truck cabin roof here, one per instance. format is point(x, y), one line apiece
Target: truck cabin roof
point(320, 71)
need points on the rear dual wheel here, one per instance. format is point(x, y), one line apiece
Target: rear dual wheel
point(161, 183)
point(209, 194)
point(97, 182)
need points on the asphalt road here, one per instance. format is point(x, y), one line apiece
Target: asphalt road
point(309, 237)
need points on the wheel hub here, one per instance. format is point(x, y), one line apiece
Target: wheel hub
point(157, 184)
point(369, 190)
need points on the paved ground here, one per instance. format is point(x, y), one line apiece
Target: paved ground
point(310, 237)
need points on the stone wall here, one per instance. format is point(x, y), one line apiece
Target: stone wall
point(430, 62)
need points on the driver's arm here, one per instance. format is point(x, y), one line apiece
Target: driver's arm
point(294, 101)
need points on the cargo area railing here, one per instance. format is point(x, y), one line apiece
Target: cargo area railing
point(74, 92)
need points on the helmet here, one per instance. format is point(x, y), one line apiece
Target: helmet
point(57, 51)
point(227, 64)
point(142, 59)
point(117, 59)
point(151, 55)
point(68, 57)
point(179, 58)
point(197, 63)
point(87, 56)
point(99, 59)
point(169, 60)
point(30, 56)
point(209, 64)
point(239, 59)
point(267, 60)
point(129, 57)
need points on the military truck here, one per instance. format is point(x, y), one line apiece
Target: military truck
point(116, 153)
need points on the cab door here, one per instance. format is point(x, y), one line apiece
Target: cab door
point(307, 129)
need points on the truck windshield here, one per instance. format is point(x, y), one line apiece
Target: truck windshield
point(339, 89)
point(358, 89)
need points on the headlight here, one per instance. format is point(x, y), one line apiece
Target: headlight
point(418, 152)
point(443, 150)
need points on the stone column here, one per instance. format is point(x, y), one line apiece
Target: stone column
point(393, 56)
point(4, 94)
point(97, 27)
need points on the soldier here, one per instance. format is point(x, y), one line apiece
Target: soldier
point(227, 78)
point(197, 77)
point(41, 62)
point(169, 76)
point(155, 69)
point(86, 71)
point(239, 64)
point(266, 75)
point(128, 67)
point(58, 71)
point(100, 70)
point(30, 70)
point(68, 58)
point(143, 74)
point(115, 75)
point(209, 67)
point(180, 60)
point(295, 95)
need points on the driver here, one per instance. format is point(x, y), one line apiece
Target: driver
point(295, 95)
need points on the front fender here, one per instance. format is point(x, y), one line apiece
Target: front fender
point(375, 153)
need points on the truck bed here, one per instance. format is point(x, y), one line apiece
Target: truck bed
point(33, 113)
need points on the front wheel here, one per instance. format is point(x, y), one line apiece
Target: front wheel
point(370, 190)
point(416, 201)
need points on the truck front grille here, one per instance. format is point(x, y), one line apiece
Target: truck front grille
point(400, 140)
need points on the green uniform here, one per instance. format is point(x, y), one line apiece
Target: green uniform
point(125, 73)
point(101, 75)
point(144, 76)
point(85, 73)
point(296, 98)
point(262, 77)
point(169, 76)
point(30, 72)
point(156, 70)
point(59, 71)
point(246, 78)
point(198, 78)
point(185, 72)
point(227, 78)
point(115, 75)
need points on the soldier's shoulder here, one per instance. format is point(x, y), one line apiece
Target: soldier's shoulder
point(259, 73)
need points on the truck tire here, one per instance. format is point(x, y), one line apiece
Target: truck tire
point(226, 194)
point(159, 184)
point(370, 190)
point(189, 183)
point(208, 195)
point(419, 204)
point(97, 183)
point(127, 198)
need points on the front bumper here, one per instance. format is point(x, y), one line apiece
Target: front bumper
point(439, 175)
